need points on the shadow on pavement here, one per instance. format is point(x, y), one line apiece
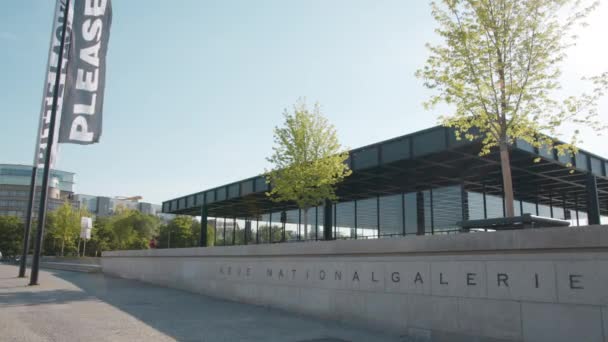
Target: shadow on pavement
point(24, 298)
point(186, 316)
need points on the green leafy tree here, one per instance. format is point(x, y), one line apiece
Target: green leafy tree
point(64, 226)
point(133, 229)
point(196, 234)
point(102, 237)
point(180, 232)
point(11, 235)
point(183, 231)
point(499, 66)
point(308, 160)
point(210, 236)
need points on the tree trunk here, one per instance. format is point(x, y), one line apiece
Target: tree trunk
point(507, 181)
point(306, 224)
point(62, 245)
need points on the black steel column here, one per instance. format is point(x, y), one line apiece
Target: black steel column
point(356, 232)
point(316, 223)
point(432, 212)
point(215, 231)
point(234, 231)
point(485, 203)
point(283, 223)
point(576, 206)
point(593, 203)
point(420, 213)
point(203, 238)
point(403, 212)
point(464, 200)
point(224, 234)
point(327, 221)
point(299, 224)
point(551, 204)
point(247, 231)
point(28, 223)
point(257, 230)
point(378, 215)
point(270, 228)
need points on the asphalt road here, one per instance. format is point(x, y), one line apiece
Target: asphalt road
point(72, 306)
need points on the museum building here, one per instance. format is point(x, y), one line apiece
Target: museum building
point(427, 182)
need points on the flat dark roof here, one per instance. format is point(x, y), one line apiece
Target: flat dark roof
point(425, 159)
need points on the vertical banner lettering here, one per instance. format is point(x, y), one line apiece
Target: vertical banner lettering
point(81, 118)
point(49, 84)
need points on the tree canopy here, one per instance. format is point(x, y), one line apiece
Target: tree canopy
point(499, 66)
point(64, 226)
point(11, 235)
point(308, 160)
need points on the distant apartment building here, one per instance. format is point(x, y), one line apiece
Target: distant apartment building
point(15, 189)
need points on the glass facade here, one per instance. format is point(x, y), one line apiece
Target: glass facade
point(391, 215)
point(433, 211)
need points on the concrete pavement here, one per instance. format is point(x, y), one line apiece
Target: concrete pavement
point(72, 306)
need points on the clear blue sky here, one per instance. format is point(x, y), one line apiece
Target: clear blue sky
point(194, 88)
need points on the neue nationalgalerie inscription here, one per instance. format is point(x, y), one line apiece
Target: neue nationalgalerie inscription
point(471, 279)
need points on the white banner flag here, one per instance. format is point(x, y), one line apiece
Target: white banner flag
point(49, 85)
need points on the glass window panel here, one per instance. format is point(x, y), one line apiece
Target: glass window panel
point(582, 219)
point(558, 213)
point(345, 220)
point(239, 231)
point(429, 142)
point(447, 208)
point(494, 206)
point(252, 228)
point(365, 158)
point(428, 221)
point(291, 226)
point(544, 210)
point(200, 199)
point(396, 150)
point(517, 207)
point(367, 218)
point(391, 215)
point(308, 221)
point(529, 208)
point(181, 204)
point(277, 227)
point(411, 213)
point(218, 226)
point(229, 231)
point(475, 202)
point(264, 228)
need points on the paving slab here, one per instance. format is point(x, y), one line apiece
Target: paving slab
point(74, 306)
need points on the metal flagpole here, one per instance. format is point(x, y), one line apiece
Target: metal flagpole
point(47, 161)
point(28, 222)
point(30, 207)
